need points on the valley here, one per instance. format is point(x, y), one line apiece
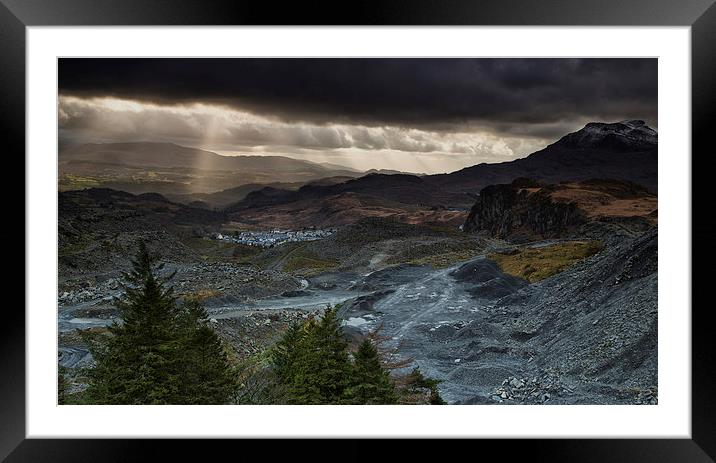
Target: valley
point(531, 282)
point(457, 323)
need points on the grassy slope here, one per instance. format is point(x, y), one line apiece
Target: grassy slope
point(304, 262)
point(535, 264)
point(220, 251)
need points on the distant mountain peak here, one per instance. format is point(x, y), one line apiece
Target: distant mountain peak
point(627, 135)
point(634, 123)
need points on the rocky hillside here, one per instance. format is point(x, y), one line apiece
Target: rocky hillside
point(104, 209)
point(99, 228)
point(345, 209)
point(396, 188)
point(369, 244)
point(407, 198)
point(526, 209)
point(589, 332)
point(584, 335)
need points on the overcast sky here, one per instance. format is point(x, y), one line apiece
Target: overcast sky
point(418, 115)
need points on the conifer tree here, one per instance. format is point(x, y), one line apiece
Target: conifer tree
point(157, 354)
point(371, 382)
point(302, 382)
point(333, 362)
point(139, 364)
point(207, 377)
point(285, 353)
point(321, 371)
point(311, 365)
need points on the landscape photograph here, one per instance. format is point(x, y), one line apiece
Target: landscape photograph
point(357, 231)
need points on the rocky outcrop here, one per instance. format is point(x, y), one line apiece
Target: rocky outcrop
point(521, 208)
point(525, 209)
point(487, 280)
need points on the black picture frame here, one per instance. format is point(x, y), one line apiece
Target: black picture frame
point(16, 15)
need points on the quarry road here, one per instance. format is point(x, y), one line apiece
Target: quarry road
point(422, 315)
point(418, 303)
point(67, 320)
point(309, 300)
point(73, 356)
point(420, 296)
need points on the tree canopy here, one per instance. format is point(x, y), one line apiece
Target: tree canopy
point(160, 352)
point(313, 364)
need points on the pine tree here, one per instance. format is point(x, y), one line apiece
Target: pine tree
point(302, 379)
point(333, 365)
point(321, 370)
point(371, 382)
point(285, 352)
point(207, 377)
point(158, 354)
point(139, 364)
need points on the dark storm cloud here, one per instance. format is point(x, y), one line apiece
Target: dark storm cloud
point(522, 97)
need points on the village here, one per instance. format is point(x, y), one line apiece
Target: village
point(270, 238)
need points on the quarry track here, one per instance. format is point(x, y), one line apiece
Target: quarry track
point(73, 356)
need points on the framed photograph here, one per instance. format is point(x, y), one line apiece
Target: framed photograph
point(411, 221)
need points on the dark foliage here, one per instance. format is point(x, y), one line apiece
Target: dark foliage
point(160, 353)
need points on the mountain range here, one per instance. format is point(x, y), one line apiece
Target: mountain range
point(275, 190)
point(171, 169)
point(625, 151)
